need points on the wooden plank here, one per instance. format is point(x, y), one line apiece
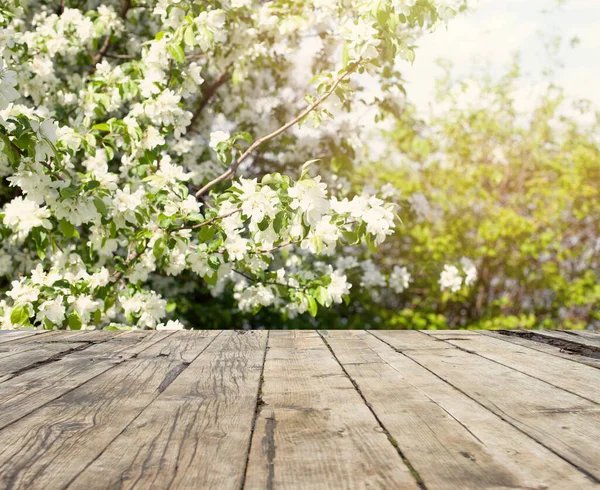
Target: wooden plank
point(587, 334)
point(40, 341)
point(51, 446)
point(570, 376)
point(450, 440)
point(20, 344)
point(568, 336)
point(542, 347)
point(196, 433)
point(17, 361)
point(37, 351)
point(314, 430)
point(32, 389)
point(413, 339)
point(565, 423)
point(11, 335)
point(91, 335)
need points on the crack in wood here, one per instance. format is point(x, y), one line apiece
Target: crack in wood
point(269, 448)
point(172, 375)
point(257, 409)
point(56, 357)
point(564, 345)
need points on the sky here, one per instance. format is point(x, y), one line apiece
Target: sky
point(496, 29)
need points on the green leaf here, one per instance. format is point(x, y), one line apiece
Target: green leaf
point(100, 206)
point(306, 166)
point(92, 184)
point(243, 136)
point(68, 192)
point(312, 306)
point(188, 37)
point(66, 228)
point(206, 234)
point(74, 321)
point(19, 315)
point(110, 153)
point(177, 52)
point(322, 295)
point(345, 55)
point(211, 280)
point(101, 127)
point(159, 247)
point(9, 151)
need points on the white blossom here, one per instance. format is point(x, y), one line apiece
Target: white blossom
point(338, 287)
point(450, 279)
point(52, 310)
point(23, 215)
point(399, 279)
point(217, 137)
point(8, 82)
point(170, 325)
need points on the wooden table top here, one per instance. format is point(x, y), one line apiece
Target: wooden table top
point(299, 409)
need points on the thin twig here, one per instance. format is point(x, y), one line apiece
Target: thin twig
point(208, 221)
point(230, 172)
point(120, 56)
point(269, 250)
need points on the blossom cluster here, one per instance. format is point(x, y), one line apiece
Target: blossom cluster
point(125, 129)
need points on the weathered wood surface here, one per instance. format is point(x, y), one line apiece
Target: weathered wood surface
point(570, 376)
point(566, 424)
point(571, 336)
point(553, 350)
point(299, 409)
point(313, 429)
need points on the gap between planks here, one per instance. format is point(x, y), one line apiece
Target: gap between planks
point(575, 378)
point(393, 442)
point(73, 427)
point(314, 429)
point(573, 446)
point(455, 443)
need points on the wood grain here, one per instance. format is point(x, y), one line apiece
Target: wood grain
point(450, 440)
point(314, 430)
point(32, 389)
point(196, 433)
point(12, 335)
point(17, 361)
point(51, 446)
point(570, 376)
point(36, 351)
point(565, 423)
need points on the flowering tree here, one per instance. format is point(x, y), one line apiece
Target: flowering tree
point(126, 127)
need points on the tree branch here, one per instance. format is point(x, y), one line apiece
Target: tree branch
point(210, 92)
point(106, 45)
point(230, 172)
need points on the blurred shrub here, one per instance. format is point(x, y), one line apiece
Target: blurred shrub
point(516, 192)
